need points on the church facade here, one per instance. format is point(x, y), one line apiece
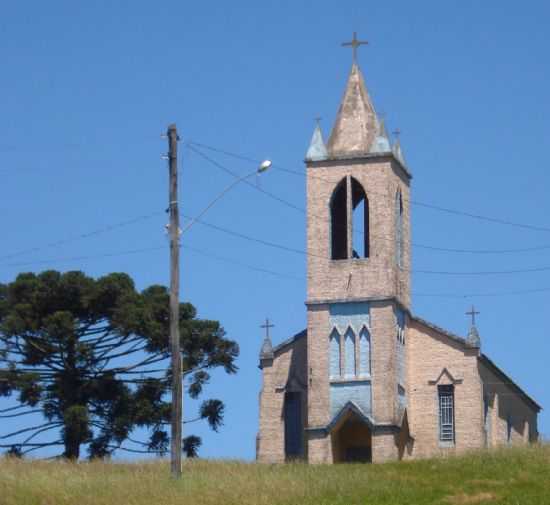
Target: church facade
point(368, 380)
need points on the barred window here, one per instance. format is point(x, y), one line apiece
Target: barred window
point(446, 414)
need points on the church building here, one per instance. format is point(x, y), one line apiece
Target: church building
point(368, 380)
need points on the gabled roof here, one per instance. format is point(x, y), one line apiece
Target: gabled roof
point(443, 331)
point(482, 358)
point(350, 408)
point(289, 341)
point(506, 379)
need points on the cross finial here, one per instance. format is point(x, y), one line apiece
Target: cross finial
point(354, 44)
point(473, 312)
point(397, 132)
point(318, 120)
point(267, 325)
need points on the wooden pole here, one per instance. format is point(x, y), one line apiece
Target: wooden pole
point(177, 396)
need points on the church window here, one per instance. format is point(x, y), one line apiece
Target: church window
point(339, 221)
point(399, 229)
point(293, 425)
point(446, 413)
point(349, 347)
point(334, 354)
point(509, 429)
point(364, 352)
point(360, 221)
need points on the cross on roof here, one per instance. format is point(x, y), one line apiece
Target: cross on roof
point(318, 120)
point(473, 312)
point(267, 325)
point(354, 44)
point(397, 132)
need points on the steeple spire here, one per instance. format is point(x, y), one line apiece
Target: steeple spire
point(317, 149)
point(397, 150)
point(381, 142)
point(356, 124)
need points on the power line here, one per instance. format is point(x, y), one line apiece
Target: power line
point(242, 264)
point(414, 202)
point(86, 257)
point(419, 271)
point(303, 211)
point(92, 233)
point(196, 250)
point(287, 275)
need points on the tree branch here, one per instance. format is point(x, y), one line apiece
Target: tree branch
point(22, 413)
point(30, 437)
point(25, 430)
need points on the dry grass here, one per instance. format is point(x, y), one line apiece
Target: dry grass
point(507, 477)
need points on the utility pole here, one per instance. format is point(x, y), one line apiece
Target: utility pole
point(177, 396)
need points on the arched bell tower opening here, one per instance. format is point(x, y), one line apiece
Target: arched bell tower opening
point(349, 202)
point(360, 220)
point(339, 221)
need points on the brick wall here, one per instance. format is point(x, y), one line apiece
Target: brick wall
point(377, 276)
point(428, 353)
point(505, 404)
point(287, 371)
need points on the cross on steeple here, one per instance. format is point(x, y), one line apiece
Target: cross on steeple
point(267, 325)
point(354, 44)
point(473, 312)
point(397, 132)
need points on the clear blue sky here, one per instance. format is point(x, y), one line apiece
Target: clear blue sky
point(88, 87)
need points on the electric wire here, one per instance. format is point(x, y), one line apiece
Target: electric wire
point(414, 202)
point(190, 145)
point(92, 233)
point(300, 252)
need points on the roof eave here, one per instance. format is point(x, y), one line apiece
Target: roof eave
point(487, 361)
point(358, 157)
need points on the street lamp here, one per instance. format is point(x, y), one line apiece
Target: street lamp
point(262, 167)
point(175, 351)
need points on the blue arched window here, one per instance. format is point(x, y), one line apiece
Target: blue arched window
point(364, 352)
point(334, 354)
point(349, 347)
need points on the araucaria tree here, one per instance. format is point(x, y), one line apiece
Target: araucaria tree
point(90, 356)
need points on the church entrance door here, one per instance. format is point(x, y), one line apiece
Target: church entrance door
point(352, 442)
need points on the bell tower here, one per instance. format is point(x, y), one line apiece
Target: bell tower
point(358, 283)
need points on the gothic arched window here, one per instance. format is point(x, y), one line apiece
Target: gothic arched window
point(364, 352)
point(339, 221)
point(334, 354)
point(349, 199)
point(399, 229)
point(349, 350)
point(360, 220)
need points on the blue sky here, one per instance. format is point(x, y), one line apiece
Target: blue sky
point(87, 89)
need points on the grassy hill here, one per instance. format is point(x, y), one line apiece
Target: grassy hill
point(516, 476)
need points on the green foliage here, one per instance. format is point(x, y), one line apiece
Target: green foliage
point(91, 355)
